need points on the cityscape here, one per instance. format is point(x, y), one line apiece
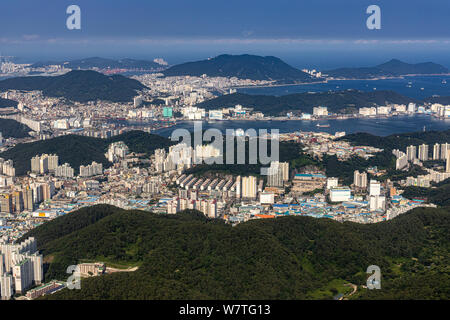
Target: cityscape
point(97, 182)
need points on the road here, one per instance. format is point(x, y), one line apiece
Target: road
point(355, 288)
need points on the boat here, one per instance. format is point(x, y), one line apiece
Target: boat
point(323, 125)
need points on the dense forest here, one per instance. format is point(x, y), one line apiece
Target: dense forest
point(81, 86)
point(288, 152)
point(383, 160)
point(398, 141)
point(13, 129)
point(79, 150)
point(439, 194)
point(336, 101)
point(187, 256)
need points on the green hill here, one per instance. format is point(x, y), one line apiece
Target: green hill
point(241, 66)
point(336, 101)
point(13, 129)
point(398, 141)
point(7, 103)
point(187, 256)
point(392, 68)
point(384, 159)
point(79, 150)
point(81, 86)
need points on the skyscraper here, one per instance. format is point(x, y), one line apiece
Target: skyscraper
point(360, 179)
point(411, 152)
point(35, 164)
point(448, 162)
point(374, 188)
point(444, 148)
point(43, 164)
point(423, 152)
point(28, 199)
point(249, 187)
point(436, 151)
point(238, 187)
point(275, 174)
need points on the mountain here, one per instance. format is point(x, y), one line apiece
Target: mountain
point(79, 150)
point(398, 141)
point(13, 129)
point(336, 101)
point(187, 256)
point(7, 103)
point(439, 195)
point(393, 68)
point(81, 86)
point(384, 160)
point(102, 63)
point(243, 67)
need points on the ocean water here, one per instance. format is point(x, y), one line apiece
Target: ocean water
point(378, 126)
point(432, 85)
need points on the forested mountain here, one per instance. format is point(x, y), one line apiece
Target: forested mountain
point(241, 66)
point(187, 256)
point(81, 86)
point(79, 150)
point(13, 129)
point(399, 141)
point(392, 68)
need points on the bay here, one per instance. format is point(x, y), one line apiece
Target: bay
point(417, 87)
point(375, 126)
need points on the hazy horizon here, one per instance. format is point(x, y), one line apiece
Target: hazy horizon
point(319, 34)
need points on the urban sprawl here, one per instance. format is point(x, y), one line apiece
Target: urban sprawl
point(160, 183)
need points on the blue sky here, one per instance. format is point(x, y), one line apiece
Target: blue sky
point(311, 30)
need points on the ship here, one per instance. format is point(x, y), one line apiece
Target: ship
point(322, 125)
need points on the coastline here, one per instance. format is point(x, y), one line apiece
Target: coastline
point(379, 126)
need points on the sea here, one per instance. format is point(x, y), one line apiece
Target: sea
point(417, 87)
point(375, 126)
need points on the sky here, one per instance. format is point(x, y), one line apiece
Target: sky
point(322, 33)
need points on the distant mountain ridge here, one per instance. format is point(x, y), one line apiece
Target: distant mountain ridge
point(81, 86)
point(243, 67)
point(392, 68)
point(102, 63)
